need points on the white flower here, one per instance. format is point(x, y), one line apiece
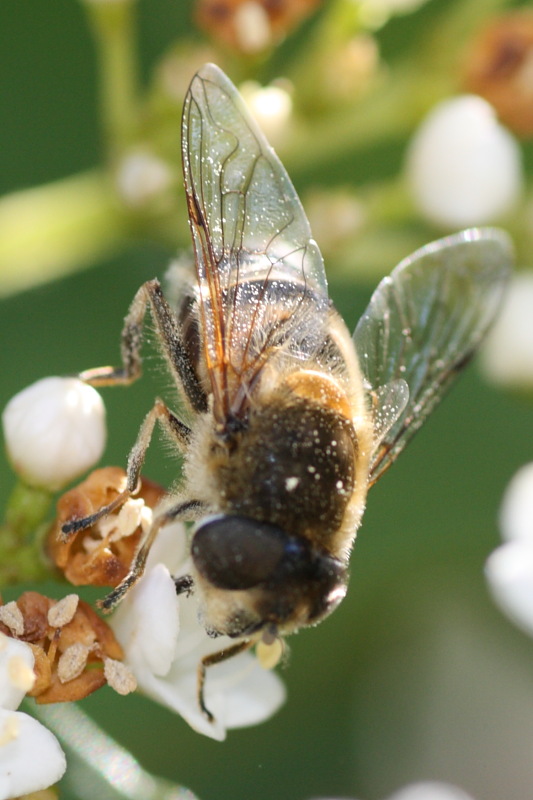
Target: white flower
point(30, 756)
point(428, 790)
point(507, 356)
point(54, 430)
point(164, 642)
point(510, 568)
point(141, 176)
point(463, 167)
point(271, 106)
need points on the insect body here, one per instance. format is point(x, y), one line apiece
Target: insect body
point(292, 418)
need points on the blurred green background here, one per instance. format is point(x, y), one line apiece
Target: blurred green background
point(417, 675)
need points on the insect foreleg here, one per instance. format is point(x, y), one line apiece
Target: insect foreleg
point(188, 510)
point(177, 431)
point(217, 658)
point(169, 336)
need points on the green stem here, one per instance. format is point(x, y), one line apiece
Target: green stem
point(114, 33)
point(50, 230)
point(97, 765)
point(389, 113)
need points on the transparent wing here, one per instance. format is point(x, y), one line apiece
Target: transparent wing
point(387, 404)
point(261, 276)
point(424, 323)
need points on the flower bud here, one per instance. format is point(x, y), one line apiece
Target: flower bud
point(271, 106)
point(463, 167)
point(54, 430)
point(16, 663)
point(507, 356)
point(509, 568)
point(141, 177)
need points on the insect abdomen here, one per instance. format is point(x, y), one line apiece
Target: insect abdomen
point(294, 463)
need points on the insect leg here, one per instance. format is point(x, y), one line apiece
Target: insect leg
point(179, 432)
point(187, 510)
point(168, 334)
point(184, 585)
point(217, 658)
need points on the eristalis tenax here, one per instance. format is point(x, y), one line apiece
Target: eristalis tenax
point(291, 419)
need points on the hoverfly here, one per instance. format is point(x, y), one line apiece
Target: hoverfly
point(292, 418)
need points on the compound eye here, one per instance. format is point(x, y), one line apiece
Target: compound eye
point(233, 552)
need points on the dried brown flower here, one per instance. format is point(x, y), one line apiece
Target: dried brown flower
point(69, 657)
point(499, 67)
point(251, 26)
point(101, 555)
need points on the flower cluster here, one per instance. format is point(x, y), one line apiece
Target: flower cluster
point(64, 649)
point(463, 167)
point(162, 638)
point(164, 642)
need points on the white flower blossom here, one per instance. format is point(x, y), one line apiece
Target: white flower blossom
point(164, 642)
point(463, 167)
point(430, 790)
point(427, 790)
point(271, 106)
point(507, 355)
point(510, 567)
point(54, 430)
point(30, 756)
point(141, 176)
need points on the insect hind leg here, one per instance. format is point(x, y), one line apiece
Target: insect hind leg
point(176, 429)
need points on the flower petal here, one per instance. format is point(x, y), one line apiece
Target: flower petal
point(147, 623)
point(30, 756)
point(164, 652)
point(16, 671)
point(242, 693)
point(507, 355)
point(516, 515)
point(238, 693)
point(510, 575)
